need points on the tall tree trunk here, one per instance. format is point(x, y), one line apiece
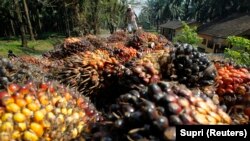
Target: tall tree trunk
point(39, 20)
point(21, 24)
point(26, 9)
point(95, 17)
point(12, 27)
point(68, 34)
point(77, 20)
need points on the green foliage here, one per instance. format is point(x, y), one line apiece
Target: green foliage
point(159, 11)
point(188, 35)
point(37, 47)
point(240, 53)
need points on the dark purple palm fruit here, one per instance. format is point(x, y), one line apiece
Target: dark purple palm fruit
point(17, 71)
point(153, 112)
point(139, 73)
point(188, 66)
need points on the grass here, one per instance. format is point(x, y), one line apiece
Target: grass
point(36, 47)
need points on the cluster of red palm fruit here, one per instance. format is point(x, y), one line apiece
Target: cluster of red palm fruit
point(233, 87)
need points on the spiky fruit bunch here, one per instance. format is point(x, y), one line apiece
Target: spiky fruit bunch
point(188, 66)
point(86, 71)
point(69, 47)
point(18, 71)
point(139, 73)
point(147, 41)
point(154, 56)
point(152, 113)
point(97, 42)
point(119, 36)
point(123, 53)
point(45, 64)
point(43, 111)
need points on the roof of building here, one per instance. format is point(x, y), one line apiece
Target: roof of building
point(175, 24)
point(229, 27)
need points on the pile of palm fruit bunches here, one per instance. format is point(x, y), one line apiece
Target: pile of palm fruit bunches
point(124, 87)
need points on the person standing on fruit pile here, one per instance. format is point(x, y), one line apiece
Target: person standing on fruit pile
point(130, 20)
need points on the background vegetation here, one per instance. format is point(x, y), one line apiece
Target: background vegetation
point(188, 35)
point(240, 53)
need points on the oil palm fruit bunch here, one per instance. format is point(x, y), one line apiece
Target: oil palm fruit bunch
point(154, 57)
point(97, 42)
point(233, 88)
point(139, 73)
point(188, 66)
point(87, 71)
point(18, 71)
point(43, 111)
point(142, 41)
point(119, 36)
point(121, 52)
point(69, 47)
point(232, 80)
point(153, 112)
point(45, 64)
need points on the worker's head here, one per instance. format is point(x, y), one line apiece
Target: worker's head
point(129, 7)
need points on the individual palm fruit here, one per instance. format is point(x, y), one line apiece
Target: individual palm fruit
point(152, 112)
point(188, 66)
point(44, 111)
point(87, 71)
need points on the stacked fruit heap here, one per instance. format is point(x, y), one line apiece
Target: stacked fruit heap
point(233, 86)
point(74, 45)
point(153, 113)
point(127, 78)
point(43, 111)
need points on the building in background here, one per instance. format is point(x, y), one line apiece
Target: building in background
point(215, 34)
point(172, 28)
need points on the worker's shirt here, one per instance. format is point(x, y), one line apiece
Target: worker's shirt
point(131, 17)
